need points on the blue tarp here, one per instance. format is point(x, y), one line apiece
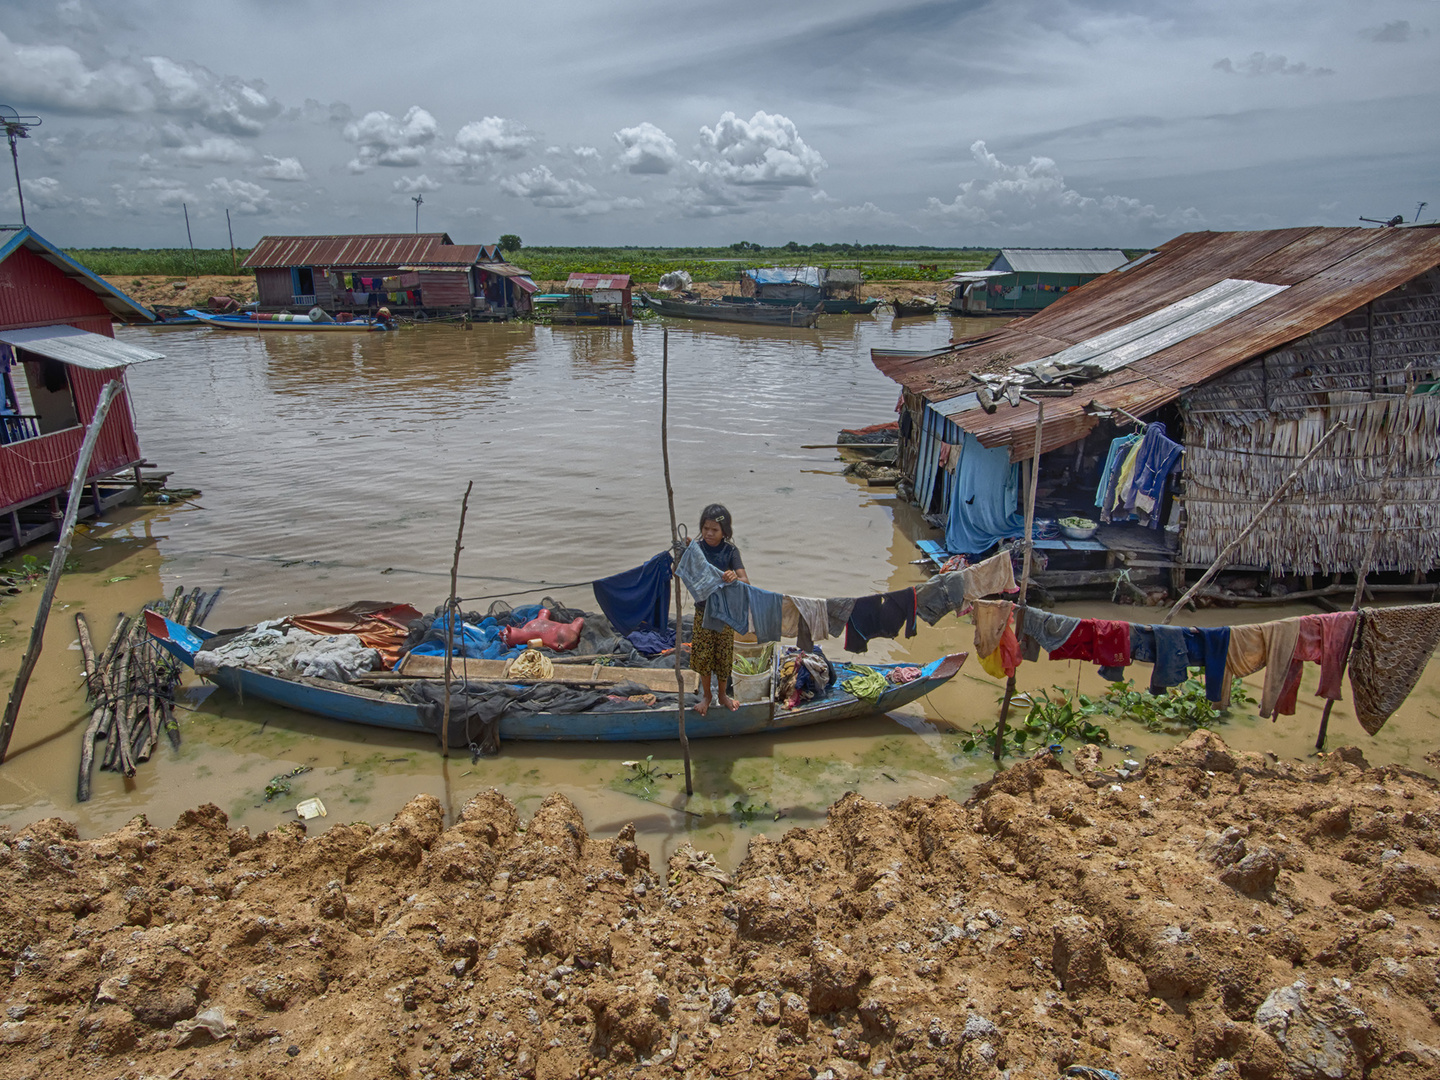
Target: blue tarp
point(984, 499)
point(786, 275)
point(471, 642)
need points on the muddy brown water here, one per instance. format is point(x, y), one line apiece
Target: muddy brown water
point(332, 469)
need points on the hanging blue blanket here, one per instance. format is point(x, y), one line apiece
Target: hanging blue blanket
point(638, 597)
point(983, 502)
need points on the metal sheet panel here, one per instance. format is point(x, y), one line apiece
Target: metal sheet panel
point(1060, 260)
point(598, 281)
point(79, 348)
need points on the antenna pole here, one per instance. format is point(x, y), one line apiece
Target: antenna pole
point(231, 231)
point(417, 200)
point(15, 156)
point(193, 264)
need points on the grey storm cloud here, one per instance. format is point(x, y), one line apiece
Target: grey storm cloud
point(1259, 63)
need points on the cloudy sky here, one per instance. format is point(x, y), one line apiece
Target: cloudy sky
point(949, 122)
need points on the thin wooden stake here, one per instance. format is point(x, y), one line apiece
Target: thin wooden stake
point(57, 564)
point(1025, 570)
point(1229, 549)
point(674, 539)
point(451, 605)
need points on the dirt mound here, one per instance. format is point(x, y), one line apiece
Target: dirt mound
point(1215, 914)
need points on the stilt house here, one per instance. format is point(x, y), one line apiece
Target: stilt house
point(414, 274)
point(1027, 279)
point(57, 353)
point(1249, 347)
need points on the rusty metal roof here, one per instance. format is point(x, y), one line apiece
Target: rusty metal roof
point(1058, 260)
point(353, 252)
point(598, 281)
point(1329, 272)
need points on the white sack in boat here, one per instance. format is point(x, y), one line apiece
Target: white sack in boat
point(338, 657)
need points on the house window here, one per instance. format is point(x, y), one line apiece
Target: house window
point(38, 397)
point(302, 281)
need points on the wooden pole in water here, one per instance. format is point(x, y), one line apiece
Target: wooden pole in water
point(1025, 570)
point(674, 540)
point(57, 563)
point(230, 229)
point(194, 264)
point(451, 606)
point(1229, 549)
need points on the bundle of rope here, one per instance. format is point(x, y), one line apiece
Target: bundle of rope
point(531, 664)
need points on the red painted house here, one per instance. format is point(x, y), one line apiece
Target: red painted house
point(57, 352)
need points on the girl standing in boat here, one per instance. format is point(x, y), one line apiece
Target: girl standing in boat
point(712, 651)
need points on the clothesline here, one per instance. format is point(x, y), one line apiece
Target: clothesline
point(1386, 649)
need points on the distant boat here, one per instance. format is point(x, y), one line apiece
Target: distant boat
point(719, 311)
point(250, 321)
point(914, 306)
point(827, 306)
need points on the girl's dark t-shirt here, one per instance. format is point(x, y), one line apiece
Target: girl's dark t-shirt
point(723, 556)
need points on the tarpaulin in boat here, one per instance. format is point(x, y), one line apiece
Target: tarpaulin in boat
point(382, 626)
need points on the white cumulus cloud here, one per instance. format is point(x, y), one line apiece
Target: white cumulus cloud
point(57, 77)
point(1034, 198)
point(574, 198)
point(409, 185)
point(48, 193)
point(1259, 63)
point(646, 149)
point(383, 139)
point(241, 196)
point(765, 151)
point(282, 168)
point(216, 150)
point(493, 137)
point(221, 103)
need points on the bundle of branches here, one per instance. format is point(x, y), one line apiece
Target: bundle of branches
point(132, 685)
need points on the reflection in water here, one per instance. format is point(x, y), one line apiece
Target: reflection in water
point(332, 471)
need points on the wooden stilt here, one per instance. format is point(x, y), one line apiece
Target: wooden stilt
point(57, 565)
point(452, 606)
point(1034, 476)
point(675, 541)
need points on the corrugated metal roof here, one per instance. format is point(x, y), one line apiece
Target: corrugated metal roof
point(1059, 260)
point(350, 252)
point(598, 281)
point(115, 301)
point(1329, 272)
point(78, 347)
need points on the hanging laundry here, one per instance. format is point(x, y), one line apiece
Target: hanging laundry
point(1165, 647)
point(1125, 472)
point(995, 640)
point(1158, 455)
point(701, 578)
point(1323, 640)
point(990, 577)
point(983, 500)
point(1119, 448)
point(1394, 646)
point(637, 598)
point(837, 613)
point(1268, 645)
point(729, 606)
point(1103, 641)
point(943, 460)
point(765, 613)
point(804, 618)
point(1208, 647)
point(880, 616)
point(1045, 630)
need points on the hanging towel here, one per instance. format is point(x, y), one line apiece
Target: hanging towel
point(804, 614)
point(992, 577)
point(1209, 647)
point(765, 615)
point(699, 576)
point(729, 606)
point(837, 613)
point(991, 619)
point(1005, 660)
point(1268, 645)
point(638, 597)
point(1104, 641)
point(880, 616)
point(983, 499)
point(1394, 646)
point(1244, 656)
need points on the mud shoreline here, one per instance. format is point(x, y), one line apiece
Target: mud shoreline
point(1215, 914)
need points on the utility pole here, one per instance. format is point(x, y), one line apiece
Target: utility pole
point(417, 200)
point(231, 231)
point(194, 265)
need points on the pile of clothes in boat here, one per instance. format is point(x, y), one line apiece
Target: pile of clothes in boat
point(1385, 649)
point(276, 648)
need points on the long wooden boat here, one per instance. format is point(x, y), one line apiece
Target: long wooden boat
point(384, 709)
point(250, 322)
point(719, 311)
point(913, 307)
point(829, 306)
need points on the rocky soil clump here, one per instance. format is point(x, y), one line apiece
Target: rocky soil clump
point(1213, 914)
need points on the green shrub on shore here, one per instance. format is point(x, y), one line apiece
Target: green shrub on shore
point(159, 262)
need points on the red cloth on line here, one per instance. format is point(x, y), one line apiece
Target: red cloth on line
point(1323, 640)
point(1104, 641)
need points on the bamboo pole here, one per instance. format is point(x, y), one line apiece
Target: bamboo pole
point(452, 605)
point(675, 542)
point(1228, 550)
point(57, 564)
point(1025, 569)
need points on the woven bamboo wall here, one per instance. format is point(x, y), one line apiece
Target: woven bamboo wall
point(1247, 430)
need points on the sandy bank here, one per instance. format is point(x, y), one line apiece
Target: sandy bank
point(1216, 915)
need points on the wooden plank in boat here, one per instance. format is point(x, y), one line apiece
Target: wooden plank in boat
point(433, 667)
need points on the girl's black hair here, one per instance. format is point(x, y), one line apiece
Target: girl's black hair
point(718, 514)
